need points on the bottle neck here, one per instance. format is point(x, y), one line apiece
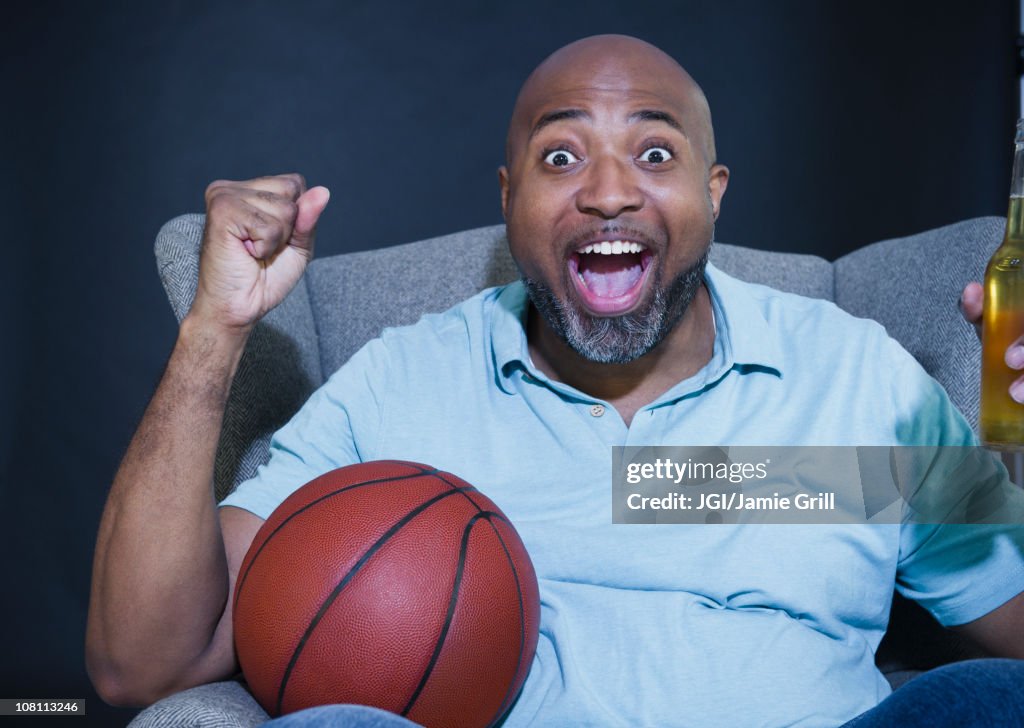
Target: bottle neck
point(1015, 216)
point(1015, 222)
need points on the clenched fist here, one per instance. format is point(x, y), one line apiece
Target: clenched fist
point(256, 245)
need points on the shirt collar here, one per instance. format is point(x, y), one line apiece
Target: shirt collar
point(746, 337)
point(743, 335)
point(508, 334)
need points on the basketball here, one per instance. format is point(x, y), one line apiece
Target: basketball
point(389, 584)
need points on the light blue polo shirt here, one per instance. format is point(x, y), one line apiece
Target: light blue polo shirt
point(666, 625)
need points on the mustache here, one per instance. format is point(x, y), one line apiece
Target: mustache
point(653, 240)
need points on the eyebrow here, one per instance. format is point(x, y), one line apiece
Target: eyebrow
point(558, 115)
point(643, 115)
point(655, 115)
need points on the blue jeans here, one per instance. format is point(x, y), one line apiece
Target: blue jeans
point(987, 693)
point(342, 716)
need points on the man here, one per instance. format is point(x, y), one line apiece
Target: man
point(620, 333)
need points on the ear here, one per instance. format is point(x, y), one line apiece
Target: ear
point(718, 180)
point(503, 181)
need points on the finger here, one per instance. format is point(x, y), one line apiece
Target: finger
point(1017, 390)
point(226, 200)
point(290, 185)
point(971, 302)
point(1014, 356)
point(311, 205)
point(282, 207)
point(261, 233)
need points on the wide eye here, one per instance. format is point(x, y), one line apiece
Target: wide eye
point(560, 158)
point(655, 155)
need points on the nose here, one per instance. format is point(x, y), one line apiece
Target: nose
point(609, 188)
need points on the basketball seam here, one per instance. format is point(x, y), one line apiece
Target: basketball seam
point(241, 581)
point(452, 601)
point(522, 616)
point(439, 474)
point(519, 590)
point(377, 545)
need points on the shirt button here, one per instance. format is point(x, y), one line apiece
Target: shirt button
point(597, 410)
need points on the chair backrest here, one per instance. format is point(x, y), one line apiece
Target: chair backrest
point(910, 285)
point(357, 295)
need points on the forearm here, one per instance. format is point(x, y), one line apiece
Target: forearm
point(160, 576)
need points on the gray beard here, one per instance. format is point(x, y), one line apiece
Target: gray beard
point(619, 339)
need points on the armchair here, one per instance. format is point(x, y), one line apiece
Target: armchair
point(910, 285)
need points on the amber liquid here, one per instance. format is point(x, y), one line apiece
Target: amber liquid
point(1001, 419)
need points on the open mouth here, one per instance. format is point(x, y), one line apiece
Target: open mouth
point(610, 275)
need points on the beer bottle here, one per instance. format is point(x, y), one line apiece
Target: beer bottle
point(1001, 419)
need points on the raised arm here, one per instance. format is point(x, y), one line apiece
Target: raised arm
point(165, 562)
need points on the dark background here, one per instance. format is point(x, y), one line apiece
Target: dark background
point(842, 123)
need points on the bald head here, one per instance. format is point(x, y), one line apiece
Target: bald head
point(613, 63)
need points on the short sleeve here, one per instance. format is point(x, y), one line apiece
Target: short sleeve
point(332, 429)
point(958, 571)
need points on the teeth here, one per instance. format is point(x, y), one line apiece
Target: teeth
point(611, 247)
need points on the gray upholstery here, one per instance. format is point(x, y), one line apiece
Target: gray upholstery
point(217, 705)
point(910, 285)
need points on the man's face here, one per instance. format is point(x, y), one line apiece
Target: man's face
point(610, 201)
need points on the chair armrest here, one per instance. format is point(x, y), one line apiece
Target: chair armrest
point(217, 705)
